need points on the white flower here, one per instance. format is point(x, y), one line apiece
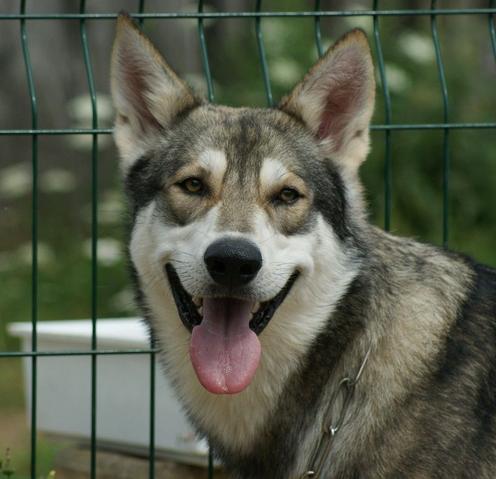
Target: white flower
point(85, 142)
point(45, 254)
point(111, 208)
point(109, 251)
point(57, 180)
point(417, 47)
point(397, 78)
point(366, 23)
point(277, 34)
point(16, 180)
point(124, 301)
point(192, 6)
point(285, 72)
point(81, 111)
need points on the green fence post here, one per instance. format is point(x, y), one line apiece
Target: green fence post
point(34, 235)
point(388, 175)
point(151, 435)
point(492, 29)
point(94, 234)
point(262, 56)
point(318, 33)
point(444, 93)
point(204, 53)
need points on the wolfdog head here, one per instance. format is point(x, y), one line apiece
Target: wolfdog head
point(243, 220)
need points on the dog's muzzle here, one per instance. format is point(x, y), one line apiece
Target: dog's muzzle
point(225, 349)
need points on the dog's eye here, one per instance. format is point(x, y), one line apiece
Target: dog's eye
point(288, 196)
point(193, 185)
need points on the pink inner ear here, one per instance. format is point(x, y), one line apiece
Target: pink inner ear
point(344, 99)
point(335, 116)
point(136, 87)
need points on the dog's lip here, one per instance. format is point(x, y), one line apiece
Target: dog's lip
point(267, 309)
point(189, 312)
point(184, 302)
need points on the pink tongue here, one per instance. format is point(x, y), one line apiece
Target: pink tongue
point(224, 350)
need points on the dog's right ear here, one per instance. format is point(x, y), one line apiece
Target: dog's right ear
point(147, 94)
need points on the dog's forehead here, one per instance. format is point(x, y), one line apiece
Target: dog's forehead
point(244, 142)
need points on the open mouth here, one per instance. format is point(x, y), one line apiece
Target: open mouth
point(191, 309)
point(224, 348)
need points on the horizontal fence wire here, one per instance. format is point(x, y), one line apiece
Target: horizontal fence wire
point(275, 14)
point(257, 16)
point(379, 127)
point(86, 352)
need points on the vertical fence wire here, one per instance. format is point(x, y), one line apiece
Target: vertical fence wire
point(262, 56)
point(94, 234)
point(492, 28)
point(210, 472)
point(204, 54)
point(388, 174)
point(34, 237)
point(152, 408)
point(444, 93)
point(317, 30)
point(151, 447)
point(141, 9)
point(210, 93)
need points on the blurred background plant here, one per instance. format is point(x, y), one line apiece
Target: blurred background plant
point(5, 465)
point(64, 161)
point(7, 470)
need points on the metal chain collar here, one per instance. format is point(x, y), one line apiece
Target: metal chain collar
point(329, 428)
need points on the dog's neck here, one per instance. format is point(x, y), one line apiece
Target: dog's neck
point(307, 389)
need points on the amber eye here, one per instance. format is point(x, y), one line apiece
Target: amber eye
point(288, 195)
point(193, 185)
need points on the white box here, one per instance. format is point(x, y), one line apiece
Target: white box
point(123, 389)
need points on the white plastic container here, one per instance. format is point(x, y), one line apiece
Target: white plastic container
point(123, 389)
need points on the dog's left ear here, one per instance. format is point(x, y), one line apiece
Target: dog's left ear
point(336, 100)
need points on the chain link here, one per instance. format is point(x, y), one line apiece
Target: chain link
point(329, 428)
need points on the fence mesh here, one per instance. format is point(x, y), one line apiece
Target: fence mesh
point(257, 15)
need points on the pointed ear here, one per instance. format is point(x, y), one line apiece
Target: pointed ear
point(336, 99)
point(147, 94)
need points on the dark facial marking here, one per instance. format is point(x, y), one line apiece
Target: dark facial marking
point(141, 185)
point(330, 199)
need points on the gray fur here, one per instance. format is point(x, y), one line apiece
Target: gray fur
point(425, 406)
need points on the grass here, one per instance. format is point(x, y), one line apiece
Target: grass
point(17, 465)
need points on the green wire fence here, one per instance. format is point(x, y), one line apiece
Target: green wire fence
point(257, 16)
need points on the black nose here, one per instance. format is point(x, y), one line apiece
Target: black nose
point(233, 262)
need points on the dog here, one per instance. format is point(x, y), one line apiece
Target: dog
point(301, 340)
